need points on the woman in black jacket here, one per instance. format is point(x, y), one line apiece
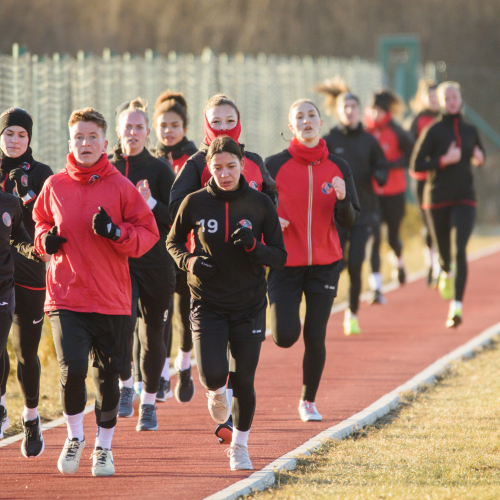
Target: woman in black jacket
point(21, 174)
point(362, 152)
point(228, 286)
point(153, 274)
point(447, 149)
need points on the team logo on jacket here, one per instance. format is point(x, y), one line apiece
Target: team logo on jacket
point(26, 166)
point(24, 180)
point(245, 223)
point(253, 184)
point(6, 219)
point(93, 178)
point(327, 187)
point(338, 151)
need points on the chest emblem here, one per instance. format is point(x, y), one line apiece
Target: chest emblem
point(6, 219)
point(24, 180)
point(253, 184)
point(245, 223)
point(26, 166)
point(338, 151)
point(327, 188)
point(93, 178)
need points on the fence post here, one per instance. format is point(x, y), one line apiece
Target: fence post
point(15, 74)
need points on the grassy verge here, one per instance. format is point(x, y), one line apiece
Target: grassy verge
point(440, 444)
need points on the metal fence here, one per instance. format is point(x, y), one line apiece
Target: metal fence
point(262, 86)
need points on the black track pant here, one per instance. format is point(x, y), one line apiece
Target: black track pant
point(319, 285)
point(392, 209)
point(76, 335)
point(26, 334)
point(152, 291)
point(182, 305)
point(357, 237)
point(462, 218)
point(229, 343)
point(5, 324)
point(427, 232)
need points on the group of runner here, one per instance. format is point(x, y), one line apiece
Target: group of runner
point(151, 238)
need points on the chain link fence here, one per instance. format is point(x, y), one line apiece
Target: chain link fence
point(262, 86)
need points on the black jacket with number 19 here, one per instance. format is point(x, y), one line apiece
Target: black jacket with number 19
point(239, 282)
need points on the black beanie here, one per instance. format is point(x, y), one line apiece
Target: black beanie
point(16, 116)
point(383, 100)
point(119, 109)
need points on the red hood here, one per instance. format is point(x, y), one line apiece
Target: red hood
point(211, 134)
point(308, 156)
point(89, 175)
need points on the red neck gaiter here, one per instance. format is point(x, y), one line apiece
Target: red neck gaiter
point(91, 174)
point(371, 124)
point(308, 156)
point(211, 134)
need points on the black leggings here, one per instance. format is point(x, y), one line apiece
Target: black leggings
point(182, 304)
point(358, 237)
point(5, 325)
point(427, 232)
point(285, 325)
point(444, 219)
point(392, 209)
point(26, 334)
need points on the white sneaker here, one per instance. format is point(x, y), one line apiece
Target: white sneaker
point(308, 412)
point(239, 459)
point(4, 420)
point(69, 459)
point(218, 407)
point(102, 463)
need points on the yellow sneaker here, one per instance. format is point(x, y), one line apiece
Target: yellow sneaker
point(446, 285)
point(351, 326)
point(454, 318)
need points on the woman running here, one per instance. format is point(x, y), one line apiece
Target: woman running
point(171, 120)
point(397, 145)
point(228, 284)
point(446, 150)
point(315, 187)
point(364, 155)
point(152, 274)
point(20, 173)
point(221, 117)
point(426, 108)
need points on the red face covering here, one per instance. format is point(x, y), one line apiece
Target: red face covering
point(309, 156)
point(91, 174)
point(371, 124)
point(211, 134)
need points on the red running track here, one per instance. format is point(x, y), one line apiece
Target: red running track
point(183, 458)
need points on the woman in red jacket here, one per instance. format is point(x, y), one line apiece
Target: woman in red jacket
point(315, 189)
point(91, 220)
point(397, 145)
point(171, 120)
point(425, 105)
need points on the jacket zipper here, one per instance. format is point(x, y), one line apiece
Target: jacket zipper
point(227, 222)
point(457, 133)
point(309, 218)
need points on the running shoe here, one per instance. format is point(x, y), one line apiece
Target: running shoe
point(69, 459)
point(164, 390)
point(184, 389)
point(218, 407)
point(225, 431)
point(33, 444)
point(239, 459)
point(147, 418)
point(454, 318)
point(401, 275)
point(351, 326)
point(102, 462)
point(378, 298)
point(308, 412)
point(445, 285)
point(4, 420)
point(127, 397)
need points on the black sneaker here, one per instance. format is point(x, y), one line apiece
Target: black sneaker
point(32, 445)
point(401, 275)
point(4, 420)
point(184, 389)
point(147, 418)
point(164, 390)
point(127, 396)
point(225, 431)
point(378, 298)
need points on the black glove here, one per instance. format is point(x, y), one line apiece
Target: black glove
point(380, 175)
point(20, 177)
point(243, 236)
point(103, 225)
point(202, 266)
point(52, 242)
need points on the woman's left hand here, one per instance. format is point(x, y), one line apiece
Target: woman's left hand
point(477, 157)
point(339, 186)
point(144, 190)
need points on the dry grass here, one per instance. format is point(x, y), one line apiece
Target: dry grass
point(442, 444)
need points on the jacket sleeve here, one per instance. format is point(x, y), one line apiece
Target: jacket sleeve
point(43, 217)
point(268, 183)
point(273, 253)
point(19, 238)
point(178, 236)
point(378, 163)
point(347, 210)
point(406, 143)
point(423, 157)
point(160, 210)
point(188, 181)
point(139, 231)
point(479, 143)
